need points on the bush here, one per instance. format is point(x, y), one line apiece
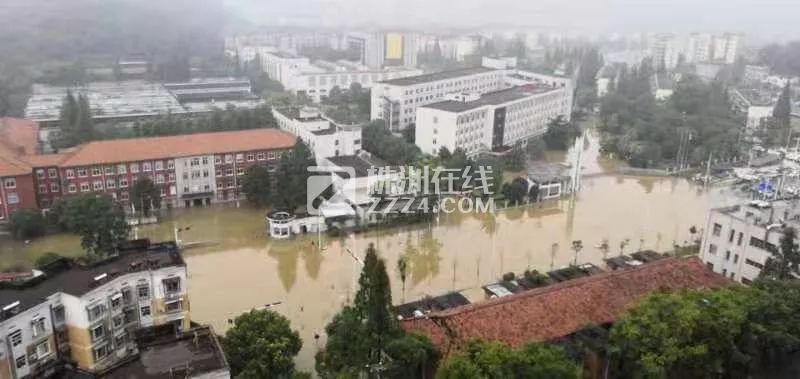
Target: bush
point(27, 224)
point(537, 278)
point(46, 259)
point(509, 276)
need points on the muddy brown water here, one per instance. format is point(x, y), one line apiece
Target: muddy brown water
point(242, 268)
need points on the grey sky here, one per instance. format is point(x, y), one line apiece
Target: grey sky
point(764, 17)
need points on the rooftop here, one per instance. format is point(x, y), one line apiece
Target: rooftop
point(108, 99)
point(360, 164)
point(140, 149)
point(436, 76)
point(166, 355)
point(17, 138)
point(544, 172)
point(69, 276)
point(560, 309)
point(491, 98)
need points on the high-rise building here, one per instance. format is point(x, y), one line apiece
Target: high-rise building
point(698, 48)
point(665, 52)
point(371, 48)
point(726, 47)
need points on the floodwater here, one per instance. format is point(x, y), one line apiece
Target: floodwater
point(242, 268)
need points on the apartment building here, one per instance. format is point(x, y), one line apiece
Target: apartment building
point(491, 121)
point(88, 313)
point(757, 104)
point(371, 48)
point(665, 51)
point(396, 101)
point(738, 240)
point(699, 48)
point(324, 137)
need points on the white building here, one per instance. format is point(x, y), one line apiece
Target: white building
point(738, 240)
point(665, 51)
point(371, 48)
point(324, 137)
point(492, 121)
point(699, 48)
point(756, 104)
point(87, 314)
point(316, 79)
point(726, 47)
point(396, 100)
point(459, 48)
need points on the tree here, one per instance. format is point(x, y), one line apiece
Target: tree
point(646, 341)
point(261, 345)
point(145, 195)
point(516, 191)
point(46, 259)
point(293, 171)
point(410, 356)
point(784, 262)
point(27, 224)
point(257, 186)
point(560, 134)
point(783, 108)
point(374, 300)
point(402, 269)
point(515, 159)
point(98, 221)
point(392, 149)
point(495, 360)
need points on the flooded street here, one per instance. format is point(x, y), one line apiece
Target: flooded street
point(243, 269)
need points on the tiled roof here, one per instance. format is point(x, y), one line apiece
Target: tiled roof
point(45, 160)
point(19, 135)
point(561, 309)
point(11, 166)
point(140, 149)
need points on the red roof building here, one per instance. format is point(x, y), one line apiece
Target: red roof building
point(190, 169)
point(560, 309)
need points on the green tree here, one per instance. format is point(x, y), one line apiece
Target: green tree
point(261, 345)
point(257, 186)
point(374, 300)
point(516, 191)
point(410, 356)
point(293, 171)
point(515, 159)
point(27, 224)
point(560, 134)
point(46, 259)
point(783, 263)
point(783, 108)
point(98, 221)
point(481, 360)
point(145, 195)
point(392, 149)
point(683, 334)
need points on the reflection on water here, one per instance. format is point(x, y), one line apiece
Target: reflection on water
point(243, 269)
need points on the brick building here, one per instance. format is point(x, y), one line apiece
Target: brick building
point(191, 170)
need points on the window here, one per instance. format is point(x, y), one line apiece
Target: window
point(712, 249)
point(159, 179)
point(123, 182)
point(98, 185)
point(754, 264)
point(170, 164)
point(736, 258)
point(118, 321)
point(72, 188)
point(172, 285)
point(145, 311)
point(261, 156)
point(271, 155)
point(122, 169)
point(146, 166)
point(218, 159)
point(731, 235)
point(100, 352)
point(42, 349)
point(134, 168)
point(739, 239)
point(70, 174)
point(15, 337)
point(116, 301)
point(96, 311)
point(728, 255)
point(724, 272)
point(54, 187)
point(109, 170)
point(143, 292)
point(38, 327)
point(85, 187)
point(205, 160)
point(98, 332)
point(111, 183)
point(228, 158)
point(21, 362)
point(10, 183)
point(240, 157)
point(240, 171)
point(58, 313)
point(173, 306)
point(40, 174)
point(95, 171)
point(159, 165)
point(123, 195)
point(171, 177)
point(717, 230)
point(251, 157)
point(42, 188)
